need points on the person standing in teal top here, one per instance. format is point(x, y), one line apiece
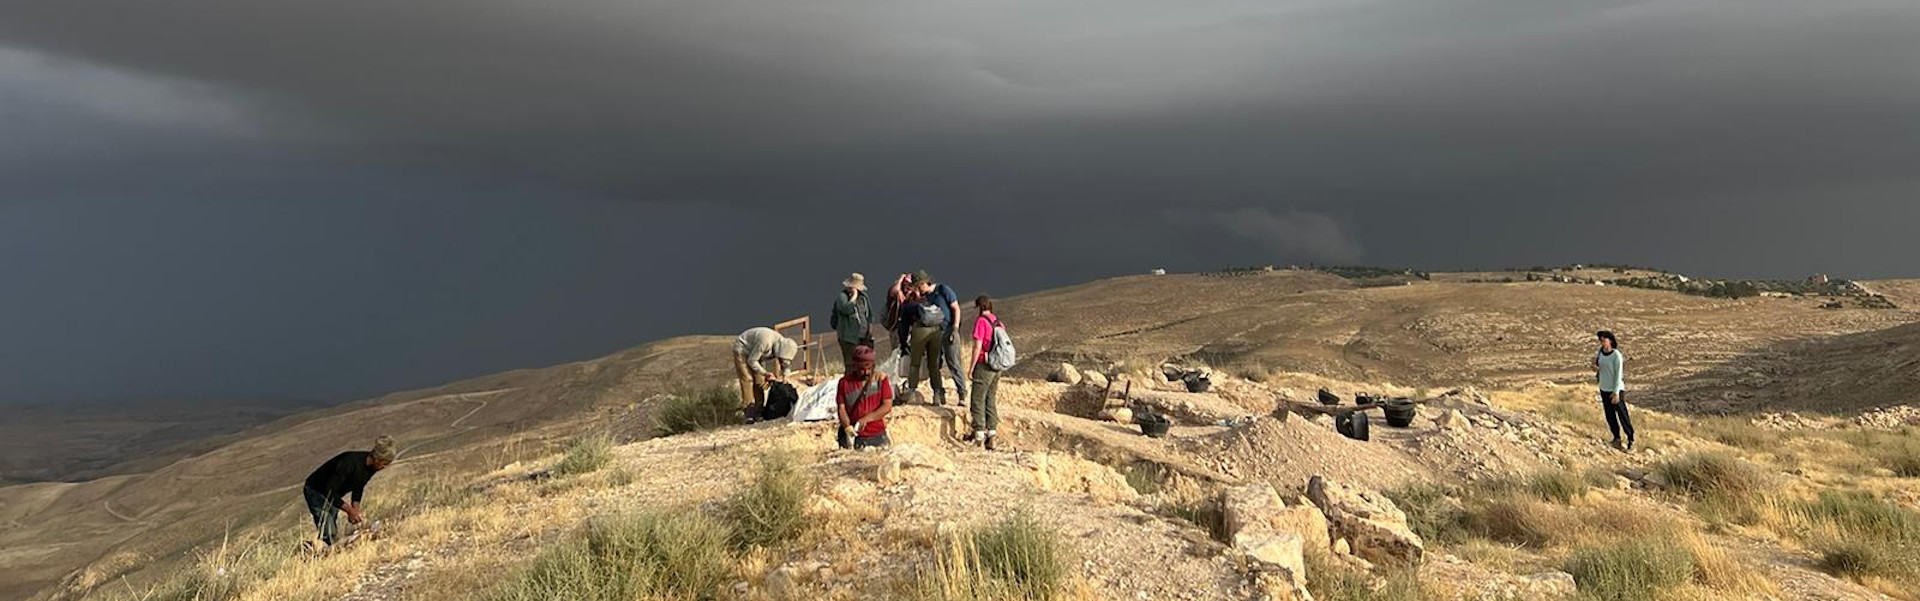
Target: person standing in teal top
point(852, 317)
point(1609, 371)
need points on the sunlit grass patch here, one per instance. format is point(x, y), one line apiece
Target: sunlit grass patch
point(586, 454)
point(1014, 559)
point(695, 410)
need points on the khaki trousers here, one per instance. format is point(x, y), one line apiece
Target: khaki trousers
point(753, 387)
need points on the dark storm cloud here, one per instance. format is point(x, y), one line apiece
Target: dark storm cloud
point(1221, 103)
point(1041, 141)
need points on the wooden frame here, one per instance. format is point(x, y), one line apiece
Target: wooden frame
point(807, 344)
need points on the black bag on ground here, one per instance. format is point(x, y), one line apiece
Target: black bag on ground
point(781, 397)
point(1352, 424)
point(1328, 398)
point(1198, 382)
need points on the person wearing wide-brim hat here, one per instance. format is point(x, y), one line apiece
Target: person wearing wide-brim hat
point(852, 318)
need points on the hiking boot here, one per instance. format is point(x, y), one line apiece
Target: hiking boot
point(1615, 443)
point(989, 442)
point(939, 398)
point(1629, 446)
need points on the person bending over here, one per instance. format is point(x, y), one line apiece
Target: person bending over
point(327, 488)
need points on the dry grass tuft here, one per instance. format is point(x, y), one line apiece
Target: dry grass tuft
point(678, 554)
point(770, 509)
point(1331, 581)
point(1723, 488)
point(586, 454)
point(1014, 559)
point(224, 572)
point(695, 410)
point(1633, 569)
point(1556, 485)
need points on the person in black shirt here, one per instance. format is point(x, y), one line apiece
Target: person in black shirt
point(327, 488)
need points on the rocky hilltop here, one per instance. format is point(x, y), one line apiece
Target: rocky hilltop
point(564, 483)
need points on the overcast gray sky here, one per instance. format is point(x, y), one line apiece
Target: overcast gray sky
point(279, 199)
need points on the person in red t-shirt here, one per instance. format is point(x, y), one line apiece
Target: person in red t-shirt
point(865, 398)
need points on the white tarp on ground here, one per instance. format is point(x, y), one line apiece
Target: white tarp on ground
point(816, 402)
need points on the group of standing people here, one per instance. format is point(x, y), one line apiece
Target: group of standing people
point(921, 318)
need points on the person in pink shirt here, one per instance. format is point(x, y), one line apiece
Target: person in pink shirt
point(986, 381)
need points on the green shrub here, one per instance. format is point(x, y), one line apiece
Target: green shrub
point(1858, 558)
point(1857, 535)
point(1723, 487)
point(586, 454)
point(1634, 569)
point(692, 411)
point(770, 509)
point(1432, 512)
point(673, 554)
point(1864, 516)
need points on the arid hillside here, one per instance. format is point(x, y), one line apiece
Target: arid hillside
point(1271, 337)
point(1423, 333)
point(84, 441)
point(47, 529)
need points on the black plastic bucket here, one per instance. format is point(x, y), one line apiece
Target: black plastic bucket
point(1400, 412)
point(1198, 383)
point(1327, 398)
point(1152, 425)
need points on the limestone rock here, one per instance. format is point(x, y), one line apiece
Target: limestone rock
point(1370, 522)
point(1117, 414)
point(1451, 419)
point(1278, 566)
point(1069, 474)
point(887, 471)
point(1551, 584)
point(1065, 373)
point(1258, 508)
point(913, 455)
point(1093, 379)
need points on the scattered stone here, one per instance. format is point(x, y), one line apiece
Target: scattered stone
point(1890, 418)
point(1093, 379)
point(1278, 566)
point(1258, 508)
point(1451, 419)
point(1370, 522)
point(1117, 414)
point(1551, 584)
point(1065, 374)
point(1069, 474)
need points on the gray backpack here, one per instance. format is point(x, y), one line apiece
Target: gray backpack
point(1000, 353)
point(931, 315)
